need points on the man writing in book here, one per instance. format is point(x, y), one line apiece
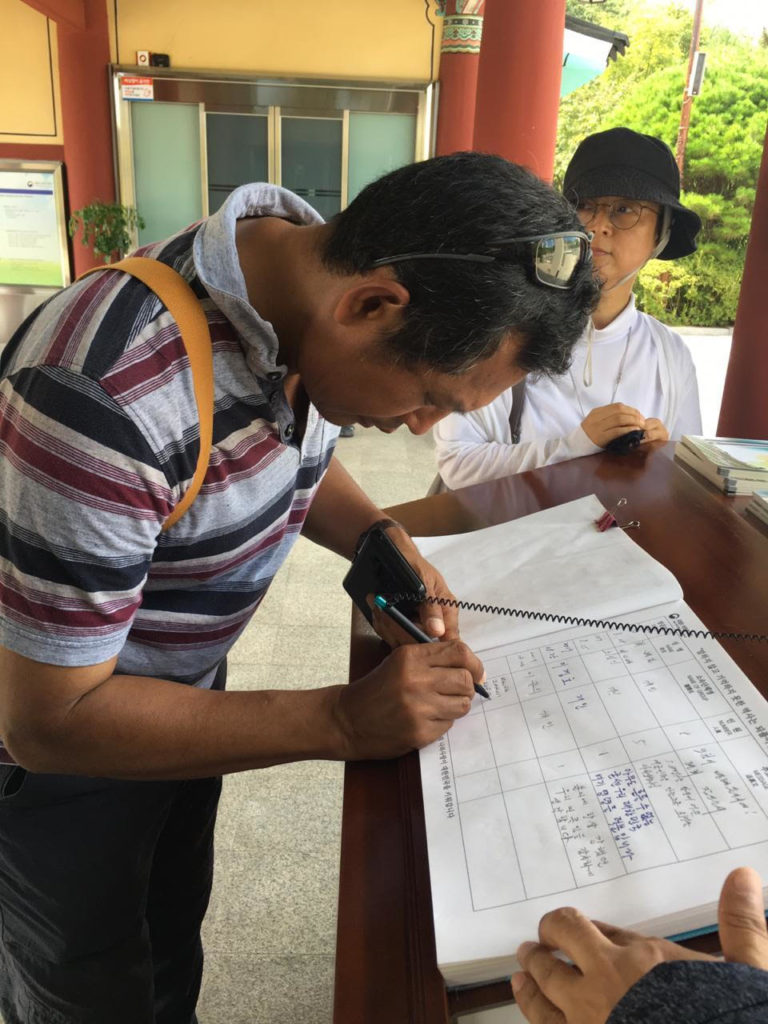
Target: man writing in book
point(620, 977)
point(441, 284)
point(629, 373)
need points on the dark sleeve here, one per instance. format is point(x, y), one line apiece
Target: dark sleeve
point(696, 992)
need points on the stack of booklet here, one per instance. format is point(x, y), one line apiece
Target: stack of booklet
point(759, 505)
point(735, 465)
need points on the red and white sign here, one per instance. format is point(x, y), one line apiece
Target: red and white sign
point(137, 88)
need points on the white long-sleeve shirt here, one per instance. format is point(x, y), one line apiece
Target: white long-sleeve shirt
point(658, 379)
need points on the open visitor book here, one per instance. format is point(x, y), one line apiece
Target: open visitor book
point(621, 773)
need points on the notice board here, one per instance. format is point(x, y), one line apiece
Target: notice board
point(33, 230)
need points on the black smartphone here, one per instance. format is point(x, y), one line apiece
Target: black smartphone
point(380, 568)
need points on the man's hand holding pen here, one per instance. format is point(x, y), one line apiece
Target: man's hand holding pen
point(407, 701)
point(425, 683)
point(414, 632)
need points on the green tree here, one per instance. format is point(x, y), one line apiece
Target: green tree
point(658, 39)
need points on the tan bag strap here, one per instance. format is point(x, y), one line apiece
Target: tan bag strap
point(184, 306)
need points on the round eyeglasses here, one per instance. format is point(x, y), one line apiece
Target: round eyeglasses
point(622, 213)
point(554, 257)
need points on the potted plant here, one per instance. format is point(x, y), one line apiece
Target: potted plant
point(106, 228)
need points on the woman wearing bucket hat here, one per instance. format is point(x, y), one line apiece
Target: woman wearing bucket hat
point(629, 372)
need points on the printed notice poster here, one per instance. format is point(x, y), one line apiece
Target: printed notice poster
point(32, 242)
point(137, 87)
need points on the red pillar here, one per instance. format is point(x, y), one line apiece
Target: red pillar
point(518, 85)
point(744, 411)
point(459, 59)
point(85, 116)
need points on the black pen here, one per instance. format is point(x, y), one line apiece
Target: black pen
point(412, 630)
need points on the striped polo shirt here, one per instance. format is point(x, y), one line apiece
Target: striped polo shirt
point(99, 438)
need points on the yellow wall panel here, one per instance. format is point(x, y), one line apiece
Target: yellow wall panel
point(30, 109)
point(392, 40)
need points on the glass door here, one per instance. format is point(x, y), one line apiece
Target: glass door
point(311, 160)
point(238, 153)
point(182, 153)
point(167, 167)
point(378, 143)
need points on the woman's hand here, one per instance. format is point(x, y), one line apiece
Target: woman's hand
point(606, 961)
point(654, 431)
point(607, 422)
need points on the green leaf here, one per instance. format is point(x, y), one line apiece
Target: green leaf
point(106, 228)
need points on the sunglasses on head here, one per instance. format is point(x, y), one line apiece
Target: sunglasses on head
point(555, 257)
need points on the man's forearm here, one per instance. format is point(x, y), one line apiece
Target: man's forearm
point(340, 512)
point(142, 728)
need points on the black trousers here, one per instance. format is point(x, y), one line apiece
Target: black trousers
point(103, 887)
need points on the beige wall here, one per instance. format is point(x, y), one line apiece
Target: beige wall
point(390, 40)
point(30, 106)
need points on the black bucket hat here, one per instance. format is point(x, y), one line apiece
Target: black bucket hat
point(620, 162)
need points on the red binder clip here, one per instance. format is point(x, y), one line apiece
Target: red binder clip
point(608, 519)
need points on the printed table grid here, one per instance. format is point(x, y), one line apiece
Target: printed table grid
point(625, 771)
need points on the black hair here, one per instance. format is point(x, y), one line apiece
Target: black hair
point(460, 312)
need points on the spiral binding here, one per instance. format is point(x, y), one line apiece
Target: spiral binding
point(575, 620)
